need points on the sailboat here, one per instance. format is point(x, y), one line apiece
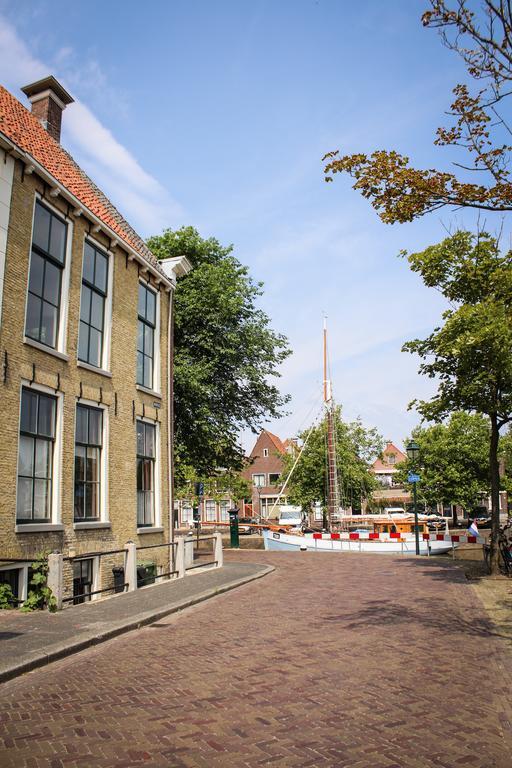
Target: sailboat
point(392, 532)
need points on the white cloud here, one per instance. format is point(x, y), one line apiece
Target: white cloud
point(138, 195)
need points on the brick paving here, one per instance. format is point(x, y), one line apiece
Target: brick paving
point(364, 661)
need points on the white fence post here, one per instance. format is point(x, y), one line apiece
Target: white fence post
point(218, 552)
point(130, 566)
point(180, 557)
point(55, 578)
point(188, 543)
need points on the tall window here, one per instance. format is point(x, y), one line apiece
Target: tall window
point(88, 445)
point(45, 277)
point(209, 508)
point(224, 506)
point(35, 457)
point(146, 455)
point(258, 481)
point(92, 306)
point(146, 336)
point(186, 512)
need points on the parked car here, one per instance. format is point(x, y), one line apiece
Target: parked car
point(246, 525)
point(436, 523)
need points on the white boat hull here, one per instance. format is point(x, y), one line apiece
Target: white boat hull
point(406, 545)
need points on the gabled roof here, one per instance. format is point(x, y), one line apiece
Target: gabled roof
point(381, 465)
point(24, 130)
point(276, 440)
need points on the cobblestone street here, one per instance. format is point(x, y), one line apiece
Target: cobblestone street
point(362, 661)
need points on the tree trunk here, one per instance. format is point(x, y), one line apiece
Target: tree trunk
point(495, 494)
point(455, 518)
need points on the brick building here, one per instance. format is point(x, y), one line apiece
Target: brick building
point(391, 493)
point(85, 349)
point(263, 471)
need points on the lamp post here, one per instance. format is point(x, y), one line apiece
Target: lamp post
point(413, 453)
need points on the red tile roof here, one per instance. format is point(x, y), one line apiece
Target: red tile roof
point(379, 464)
point(277, 441)
point(25, 130)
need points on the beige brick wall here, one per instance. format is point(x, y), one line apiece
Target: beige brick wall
point(24, 361)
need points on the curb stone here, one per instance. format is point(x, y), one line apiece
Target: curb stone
point(56, 652)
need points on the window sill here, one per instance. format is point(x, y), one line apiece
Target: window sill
point(152, 392)
point(44, 348)
point(38, 527)
point(150, 530)
point(91, 524)
point(94, 369)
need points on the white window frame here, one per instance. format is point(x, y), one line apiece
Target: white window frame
point(56, 516)
point(265, 453)
point(107, 323)
point(104, 520)
point(157, 518)
point(224, 518)
point(259, 474)
point(185, 504)
point(156, 390)
point(207, 506)
point(23, 577)
point(95, 585)
point(60, 348)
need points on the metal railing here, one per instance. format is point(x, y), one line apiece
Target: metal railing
point(185, 555)
point(116, 586)
point(198, 554)
point(172, 545)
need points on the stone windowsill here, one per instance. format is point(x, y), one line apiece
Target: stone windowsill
point(157, 529)
point(94, 369)
point(91, 524)
point(38, 527)
point(44, 348)
point(151, 392)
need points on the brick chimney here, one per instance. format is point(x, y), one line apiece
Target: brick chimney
point(48, 99)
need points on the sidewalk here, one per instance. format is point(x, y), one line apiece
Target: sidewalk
point(30, 640)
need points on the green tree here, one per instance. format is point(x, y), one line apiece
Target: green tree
point(217, 486)
point(470, 355)
point(355, 447)
point(225, 354)
point(506, 462)
point(481, 33)
point(454, 460)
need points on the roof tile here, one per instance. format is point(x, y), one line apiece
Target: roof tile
point(25, 130)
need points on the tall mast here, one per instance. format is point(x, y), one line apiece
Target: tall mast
point(333, 496)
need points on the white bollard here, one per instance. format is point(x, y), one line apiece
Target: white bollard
point(55, 578)
point(180, 557)
point(130, 565)
point(188, 543)
point(218, 553)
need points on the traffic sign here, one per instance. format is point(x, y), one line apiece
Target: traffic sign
point(413, 478)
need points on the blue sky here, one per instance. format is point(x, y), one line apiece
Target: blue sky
point(217, 114)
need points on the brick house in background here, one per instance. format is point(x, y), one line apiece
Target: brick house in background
point(263, 471)
point(85, 347)
point(391, 493)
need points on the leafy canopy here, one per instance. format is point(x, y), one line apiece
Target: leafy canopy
point(225, 353)
point(454, 460)
point(356, 447)
point(470, 356)
point(481, 33)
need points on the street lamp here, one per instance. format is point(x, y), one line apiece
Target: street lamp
point(413, 453)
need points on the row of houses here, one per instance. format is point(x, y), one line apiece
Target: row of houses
point(263, 473)
point(85, 353)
